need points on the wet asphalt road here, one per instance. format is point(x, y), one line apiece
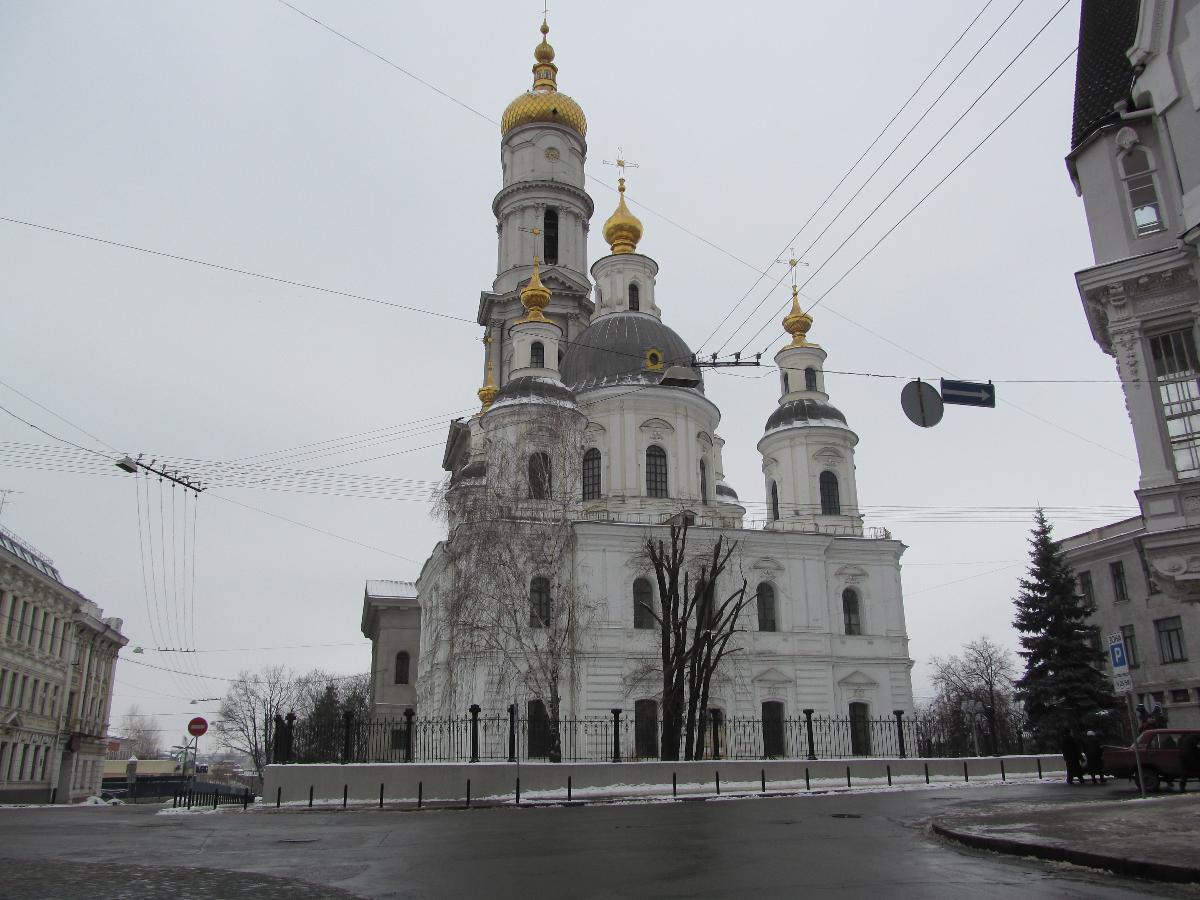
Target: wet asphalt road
point(844, 845)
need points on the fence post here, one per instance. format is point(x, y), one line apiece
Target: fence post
point(474, 733)
point(716, 721)
point(616, 714)
point(899, 714)
point(347, 725)
point(408, 734)
point(812, 746)
point(512, 732)
point(290, 719)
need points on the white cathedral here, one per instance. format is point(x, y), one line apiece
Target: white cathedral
point(566, 354)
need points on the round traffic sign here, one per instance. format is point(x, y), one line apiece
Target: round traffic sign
point(197, 726)
point(921, 403)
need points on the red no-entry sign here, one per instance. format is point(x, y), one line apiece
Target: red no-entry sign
point(197, 726)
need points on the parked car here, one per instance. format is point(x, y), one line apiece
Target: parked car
point(1167, 755)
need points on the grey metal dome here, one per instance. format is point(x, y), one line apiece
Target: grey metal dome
point(805, 412)
point(612, 350)
point(533, 389)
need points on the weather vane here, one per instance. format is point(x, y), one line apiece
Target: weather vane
point(621, 162)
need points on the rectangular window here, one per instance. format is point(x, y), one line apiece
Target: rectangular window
point(1131, 651)
point(1170, 640)
point(1084, 579)
point(1181, 695)
point(1174, 358)
point(1093, 638)
point(1117, 571)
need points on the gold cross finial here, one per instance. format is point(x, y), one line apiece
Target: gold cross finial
point(537, 233)
point(621, 162)
point(792, 263)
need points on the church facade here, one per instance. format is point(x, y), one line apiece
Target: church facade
point(594, 433)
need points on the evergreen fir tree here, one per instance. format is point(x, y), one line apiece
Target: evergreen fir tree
point(1064, 685)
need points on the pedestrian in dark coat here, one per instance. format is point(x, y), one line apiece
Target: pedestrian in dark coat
point(1072, 756)
point(1094, 753)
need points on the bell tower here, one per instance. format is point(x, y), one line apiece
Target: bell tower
point(543, 149)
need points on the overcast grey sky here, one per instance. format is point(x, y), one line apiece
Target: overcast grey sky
point(243, 134)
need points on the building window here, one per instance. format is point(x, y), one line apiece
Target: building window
point(643, 600)
point(810, 379)
point(1181, 695)
point(537, 355)
point(766, 607)
point(539, 602)
point(550, 236)
point(1131, 651)
point(1174, 358)
point(1117, 571)
point(656, 471)
point(831, 502)
point(635, 298)
point(1170, 639)
point(851, 613)
point(703, 482)
point(787, 383)
point(591, 474)
point(772, 729)
point(645, 729)
point(1138, 175)
point(539, 476)
point(1084, 580)
point(402, 667)
point(774, 501)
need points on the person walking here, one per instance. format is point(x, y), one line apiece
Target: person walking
point(1072, 756)
point(1094, 754)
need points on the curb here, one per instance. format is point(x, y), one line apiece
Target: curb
point(1120, 865)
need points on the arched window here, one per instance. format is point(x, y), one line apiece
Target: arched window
point(774, 501)
point(643, 600)
point(539, 476)
point(766, 607)
point(537, 355)
point(539, 602)
point(831, 501)
point(656, 471)
point(703, 482)
point(851, 616)
point(645, 729)
point(1143, 197)
point(402, 667)
point(810, 379)
point(550, 236)
point(591, 474)
point(635, 297)
point(787, 383)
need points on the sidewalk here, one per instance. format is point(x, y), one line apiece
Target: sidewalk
point(1156, 838)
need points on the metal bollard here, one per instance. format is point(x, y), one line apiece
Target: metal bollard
point(345, 795)
point(1003, 777)
point(847, 776)
point(718, 784)
point(966, 775)
point(518, 792)
point(764, 780)
point(889, 771)
point(807, 783)
point(381, 795)
point(278, 796)
point(674, 786)
point(420, 793)
point(310, 796)
point(927, 773)
point(1039, 762)
point(468, 793)
point(568, 788)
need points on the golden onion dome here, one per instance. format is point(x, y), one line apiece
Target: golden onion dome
point(544, 102)
point(623, 229)
point(797, 322)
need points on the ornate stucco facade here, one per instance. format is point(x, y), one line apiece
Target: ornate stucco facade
point(594, 415)
point(57, 654)
point(1135, 161)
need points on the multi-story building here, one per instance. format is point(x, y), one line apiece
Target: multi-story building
point(57, 653)
point(1135, 161)
point(594, 417)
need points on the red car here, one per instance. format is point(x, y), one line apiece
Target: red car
point(1167, 754)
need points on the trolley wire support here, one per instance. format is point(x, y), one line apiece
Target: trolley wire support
point(131, 465)
point(687, 376)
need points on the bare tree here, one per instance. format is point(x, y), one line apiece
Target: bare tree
point(144, 742)
point(510, 617)
point(695, 632)
point(247, 718)
point(982, 674)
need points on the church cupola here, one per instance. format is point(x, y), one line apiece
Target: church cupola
point(808, 449)
point(535, 339)
point(625, 278)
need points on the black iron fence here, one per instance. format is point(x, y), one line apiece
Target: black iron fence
point(512, 736)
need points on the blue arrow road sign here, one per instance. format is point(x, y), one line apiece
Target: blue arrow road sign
point(969, 393)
